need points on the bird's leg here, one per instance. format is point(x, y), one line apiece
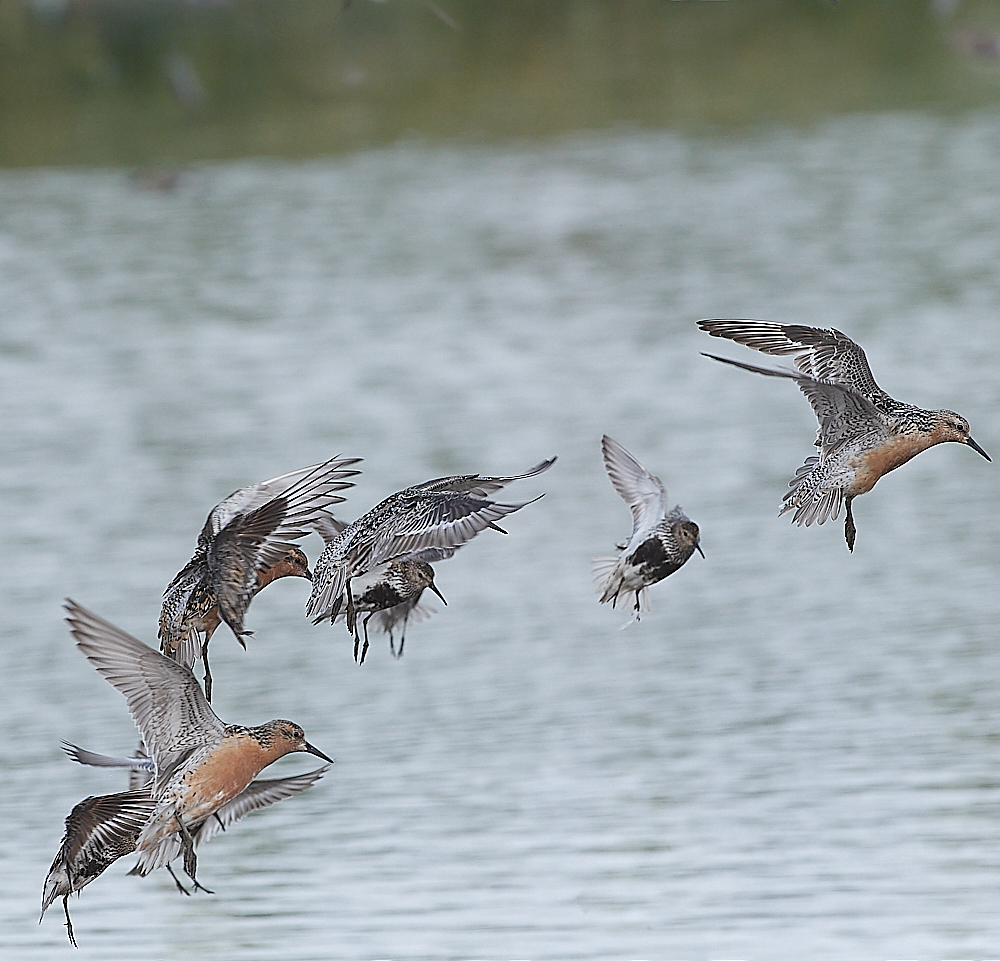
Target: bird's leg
point(392, 646)
point(402, 637)
point(190, 858)
point(850, 531)
point(69, 924)
point(208, 672)
point(364, 650)
point(352, 614)
point(180, 887)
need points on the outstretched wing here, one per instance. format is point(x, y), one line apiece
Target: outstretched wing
point(99, 830)
point(429, 521)
point(165, 700)
point(841, 412)
point(434, 522)
point(250, 542)
point(643, 492)
point(319, 483)
point(842, 415)
point(475, 485)
point(828, 356)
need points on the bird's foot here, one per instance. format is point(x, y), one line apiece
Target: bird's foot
point(850, 531)
point(180, 887)
point(69, 924)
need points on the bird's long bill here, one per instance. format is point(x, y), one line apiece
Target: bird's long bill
point(978, 449)
point(697, 547)
point(436, 591)
point(315, 750)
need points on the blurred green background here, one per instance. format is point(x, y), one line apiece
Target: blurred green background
point(172, 81)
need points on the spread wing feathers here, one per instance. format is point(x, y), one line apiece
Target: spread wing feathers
point(92, 759)
point(257, 795)
point(842, 415)
point(261, 536)
point(841, 412)
point(429, 527)
point(99, 830)
point(825, 355)
point(643, 492)
point(438, 516)
point(165, 700)
point(313, 487)
point(475, 485)
point(436, 522)
point(245, 546)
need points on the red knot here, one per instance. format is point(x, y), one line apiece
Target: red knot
point(201, 762)
point(863, 432)
point(424, 523)
point(244, 545)
point(104, 828)
point(661, 542)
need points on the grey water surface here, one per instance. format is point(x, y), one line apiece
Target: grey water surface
point(795, 754)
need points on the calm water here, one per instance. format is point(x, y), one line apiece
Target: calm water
point(795, 754)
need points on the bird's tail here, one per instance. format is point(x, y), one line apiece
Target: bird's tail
point(607, 576)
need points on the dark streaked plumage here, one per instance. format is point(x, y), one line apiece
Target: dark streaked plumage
point(863, 433)
point(99, 830)
point(244, 545)
point(660, 543)
point(201, 763)
point(104, 828)
point(392, 590)
point(425, 523)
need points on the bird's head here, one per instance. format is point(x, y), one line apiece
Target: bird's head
point(950, 426)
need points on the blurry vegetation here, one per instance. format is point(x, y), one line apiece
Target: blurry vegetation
point(167, 81)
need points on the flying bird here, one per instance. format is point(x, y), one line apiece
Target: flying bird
point(863, 433)
point(201, 763)
point(245, 544)
point(104, 828)
point(661, 542)
point(421, 524)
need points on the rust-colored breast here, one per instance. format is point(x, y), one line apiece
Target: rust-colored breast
point(222, 775)
point(875, 463)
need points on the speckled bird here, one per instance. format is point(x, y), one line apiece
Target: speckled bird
point(863, 432)
point(392, 591)
point(661, 542)
point(201, 763)
point(244, 545)
point(104, 828)
point(424, 523)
